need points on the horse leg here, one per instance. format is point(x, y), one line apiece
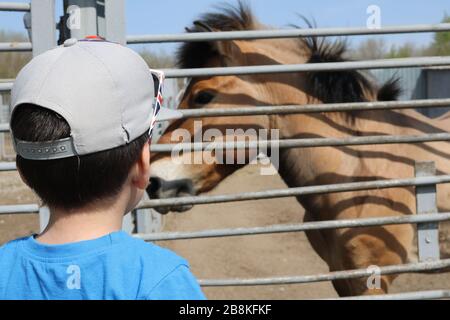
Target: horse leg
point(360, 253)
point(344, 288)
point(368, 247)
point(317, 240)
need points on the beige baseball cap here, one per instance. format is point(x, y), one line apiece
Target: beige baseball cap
point(105, 91)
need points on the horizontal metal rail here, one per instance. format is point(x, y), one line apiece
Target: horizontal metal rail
point(294, 192)
point(7, 166)
point(418, 295)
point(314, 108)
point(337, 275)
point(19, 208)
point(4, 127)
point(298, 143)
point(284, 33)
point(300, 227)
point(287, 143)
point(6, 86)
point(15, 46)
point(310, 67)
point(304, 109)
point(284, 144)
point(14, 6)
point(307, 67)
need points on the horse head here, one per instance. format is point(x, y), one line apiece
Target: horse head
point(182, 174)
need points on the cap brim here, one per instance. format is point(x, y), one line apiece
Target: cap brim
point(166, 114)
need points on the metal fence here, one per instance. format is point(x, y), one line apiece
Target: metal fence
point(425, 181)
point(14, 6)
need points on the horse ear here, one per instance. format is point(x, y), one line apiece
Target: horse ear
point(227, 49)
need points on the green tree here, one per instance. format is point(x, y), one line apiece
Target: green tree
point(159, 60)
point(372, 48)
point(403, 51)
point(441, 42)
point(376, 48)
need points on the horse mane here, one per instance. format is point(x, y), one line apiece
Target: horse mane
point(227, 18)
point(328, 86)
point(342, 86)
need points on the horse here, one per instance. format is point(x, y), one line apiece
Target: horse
point(341, 249)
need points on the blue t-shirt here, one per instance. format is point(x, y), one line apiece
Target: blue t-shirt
point(116, 266)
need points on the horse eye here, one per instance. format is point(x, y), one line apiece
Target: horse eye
point(203, 97)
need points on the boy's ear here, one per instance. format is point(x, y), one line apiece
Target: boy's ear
point(141, 176)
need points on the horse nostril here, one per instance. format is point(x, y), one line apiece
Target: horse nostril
point(162, 189)
point(155, 186)
point(184, 187)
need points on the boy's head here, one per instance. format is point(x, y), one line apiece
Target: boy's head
point(74, 182)
point(81, 122)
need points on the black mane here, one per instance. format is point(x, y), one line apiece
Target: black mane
point(328, 86)
point(341, 86)
point(227, 18)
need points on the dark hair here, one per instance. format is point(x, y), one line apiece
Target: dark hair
point(74, 182)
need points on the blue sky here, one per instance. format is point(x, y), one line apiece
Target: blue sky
point(171, 16)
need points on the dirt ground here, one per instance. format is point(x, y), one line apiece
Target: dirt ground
point(239, 257)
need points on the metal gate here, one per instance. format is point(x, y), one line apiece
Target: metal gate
point(425, 181)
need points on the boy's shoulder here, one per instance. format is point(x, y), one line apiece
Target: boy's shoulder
point(9, 252)
point(163, 273)
point(152, 253)
point(150, 260)
point(11, 246)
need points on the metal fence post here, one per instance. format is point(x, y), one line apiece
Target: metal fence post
point(44, 218)
point(105, 18)
point(114, 24)
point(86, 11)
point(3, 119)
point(43, 37)
point(428, 232)
point(43, 25)
point(148, 220)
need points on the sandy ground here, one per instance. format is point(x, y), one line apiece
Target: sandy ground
point(239, 257)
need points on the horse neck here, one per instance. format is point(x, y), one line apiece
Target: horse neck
point(309, 166)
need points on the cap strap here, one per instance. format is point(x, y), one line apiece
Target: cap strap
point(51, 150)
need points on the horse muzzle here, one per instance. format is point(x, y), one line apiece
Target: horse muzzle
point(162, 189)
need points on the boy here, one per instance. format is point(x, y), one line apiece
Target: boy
point(81, 122)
